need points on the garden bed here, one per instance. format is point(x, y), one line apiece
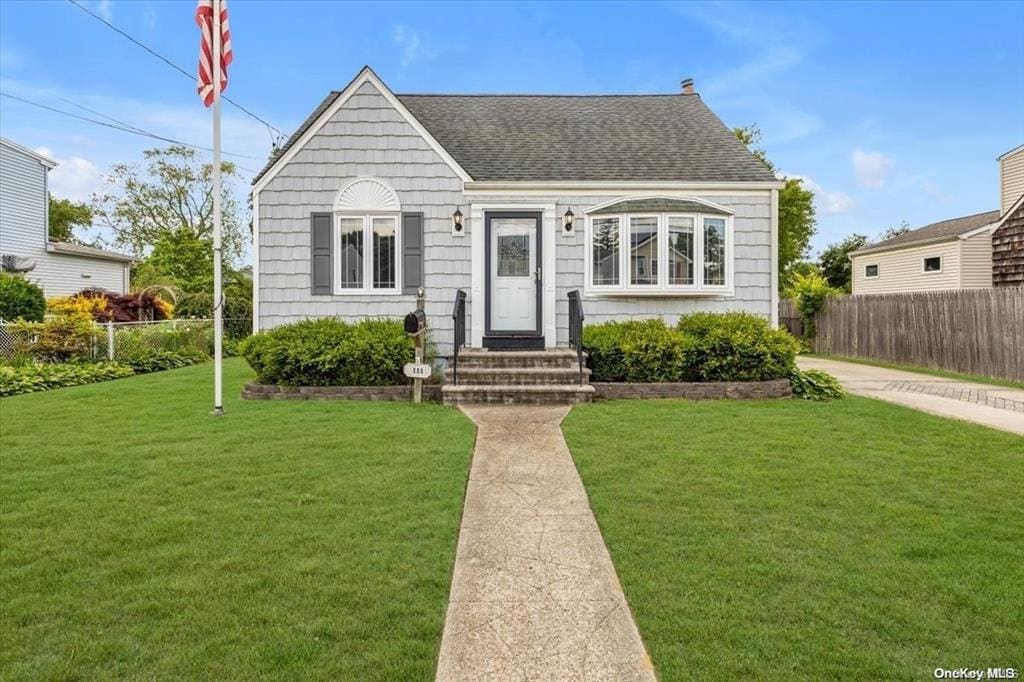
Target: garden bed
point(257, 391)
point(693, 390)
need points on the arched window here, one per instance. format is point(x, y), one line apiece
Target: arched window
point(367, 220)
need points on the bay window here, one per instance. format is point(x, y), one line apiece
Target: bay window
point(670, 252)
point(366, 253)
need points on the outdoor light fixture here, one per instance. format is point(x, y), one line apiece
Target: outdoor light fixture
point(569, 216)
point(457, 220)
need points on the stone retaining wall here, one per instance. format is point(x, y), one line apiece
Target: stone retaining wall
point(776, 388)
point(256, 391)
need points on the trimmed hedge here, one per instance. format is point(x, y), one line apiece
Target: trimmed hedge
point(703, 347)
point(329, 352)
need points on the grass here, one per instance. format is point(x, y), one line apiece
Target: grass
point(793, 540)
point(975, 378)
point(143, 538)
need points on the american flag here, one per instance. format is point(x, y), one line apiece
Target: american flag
point(204, 18)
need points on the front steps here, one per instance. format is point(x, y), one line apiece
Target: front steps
point(533, 377)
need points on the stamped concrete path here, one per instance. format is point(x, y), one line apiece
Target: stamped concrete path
point(994, 406)
point(534, 595)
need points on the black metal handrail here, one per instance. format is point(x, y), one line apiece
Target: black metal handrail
point(459, 317)
point(576, 328)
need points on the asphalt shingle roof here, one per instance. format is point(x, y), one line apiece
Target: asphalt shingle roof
point(936, 231)
point(579, 137)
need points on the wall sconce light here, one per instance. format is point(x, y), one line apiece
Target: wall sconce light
point(457, 221)
point(569, 217)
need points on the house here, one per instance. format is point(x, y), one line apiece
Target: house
point(1008, 233)
point(517, 200)
point(951, 254)
point(60, 268)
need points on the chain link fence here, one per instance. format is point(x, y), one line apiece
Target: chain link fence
point(114, 340)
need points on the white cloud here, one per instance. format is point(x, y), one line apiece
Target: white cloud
point(827, 202)
point(149, 16)
point(871, 169)
point(104, 9)
point(413, 49)
point(74, 178)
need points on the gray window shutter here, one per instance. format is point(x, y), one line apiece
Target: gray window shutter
point(412, 252)
point(320, 253)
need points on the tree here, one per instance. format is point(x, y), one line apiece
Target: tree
point(174, 193)
point(896, 231)
point(835, 261)
point(179, 259)
point(65, 216)
point(796, 208)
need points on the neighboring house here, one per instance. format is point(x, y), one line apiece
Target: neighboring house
point(952, 254)
point(60, 268)
point(362, 206)
point(1008, 235)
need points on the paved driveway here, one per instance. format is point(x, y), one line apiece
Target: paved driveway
point(993, 406)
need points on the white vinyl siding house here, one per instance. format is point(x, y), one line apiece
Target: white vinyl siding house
point(702, 237)
point(953, 254)
point(60, 269)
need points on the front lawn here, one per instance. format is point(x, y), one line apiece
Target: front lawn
point(792, 540)
point(142, 538)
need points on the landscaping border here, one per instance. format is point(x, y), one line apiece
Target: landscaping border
point(257, 391)
point(712, 390)
point(692, 390)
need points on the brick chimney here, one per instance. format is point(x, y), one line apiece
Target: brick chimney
point(687, 86)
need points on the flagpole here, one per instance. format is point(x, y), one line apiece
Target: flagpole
point(218, 295)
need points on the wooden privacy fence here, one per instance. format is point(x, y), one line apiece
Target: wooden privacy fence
point(974, 331)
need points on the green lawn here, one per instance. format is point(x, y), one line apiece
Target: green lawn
point(142, 538)
point(852, 540)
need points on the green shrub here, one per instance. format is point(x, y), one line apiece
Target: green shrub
point(330, 352)
point(159, 360)
point(20, 299)
point(635, 350)
point(58, 339)
point(703, 347)
point(28, 378)
point(736, 347)
point(815, 385)
point(810, 291)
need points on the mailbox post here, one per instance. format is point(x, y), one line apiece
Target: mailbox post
point(416, 326)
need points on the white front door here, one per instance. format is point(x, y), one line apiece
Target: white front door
point(514, 275)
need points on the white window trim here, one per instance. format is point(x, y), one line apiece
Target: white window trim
point(367, 289)
point(931, 272)
point(662, 288)
point(871, 265)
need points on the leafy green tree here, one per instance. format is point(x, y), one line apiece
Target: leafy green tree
point(834, 261)
point(173, 193)
point(797, 222)
point(65, 216)
point(896, 231)
point(800, 269)
point(179, 259)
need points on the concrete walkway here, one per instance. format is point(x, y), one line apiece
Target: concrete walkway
point(993, 406)
point(534, 595)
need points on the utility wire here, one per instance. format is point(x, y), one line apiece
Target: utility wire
point(270, 128)
point(125, 127)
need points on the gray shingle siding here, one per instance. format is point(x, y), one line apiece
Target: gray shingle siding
point(367, 137)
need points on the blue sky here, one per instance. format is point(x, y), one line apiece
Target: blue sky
point(892, 111)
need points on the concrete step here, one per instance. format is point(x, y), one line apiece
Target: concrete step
point(556, 358)
point(513, 394)
point(517, 375)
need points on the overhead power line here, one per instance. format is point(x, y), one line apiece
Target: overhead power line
point(124, 127)
point(270, 128)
